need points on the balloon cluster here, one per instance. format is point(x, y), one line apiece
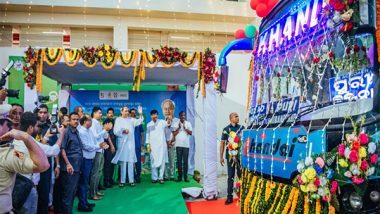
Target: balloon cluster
point(263, 7)
point(249, 32)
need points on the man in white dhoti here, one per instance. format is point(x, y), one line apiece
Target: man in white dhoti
point(155, 138)
point(124, 130)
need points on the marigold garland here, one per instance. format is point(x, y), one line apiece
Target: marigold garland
point(279, 189)
point(306, 204)
point(53, 56)
point(72, 57)
point(249, 195)
point(150, 63)
point(190, 63)
point(294, 201)
point(108, 67)
point(127, 60)
point(318, 206)
point(289, 202)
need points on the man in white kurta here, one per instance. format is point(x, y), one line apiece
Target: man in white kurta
point(155, 137)
point(125, 137)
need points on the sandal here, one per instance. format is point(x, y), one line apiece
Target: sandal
point(162, 181)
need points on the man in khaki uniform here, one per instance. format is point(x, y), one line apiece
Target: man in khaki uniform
point(12, 162)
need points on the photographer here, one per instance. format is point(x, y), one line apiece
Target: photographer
point(12, 161)
point(29, 125)
point(45, 179)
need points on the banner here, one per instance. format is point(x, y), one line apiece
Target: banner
point(149, 100)
point(288, 145)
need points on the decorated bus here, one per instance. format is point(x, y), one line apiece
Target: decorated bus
point(311, 145)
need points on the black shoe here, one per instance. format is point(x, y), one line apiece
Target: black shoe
point(101, 188)
point(84, 209)
point(165, 179)
point(186, 180)
point(92, 205)
point(154, 181)
point(228, 201)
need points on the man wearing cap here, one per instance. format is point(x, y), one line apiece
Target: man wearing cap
point(12, 162)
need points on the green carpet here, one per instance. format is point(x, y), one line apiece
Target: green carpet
point(144, 198)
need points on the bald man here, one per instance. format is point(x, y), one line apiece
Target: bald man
point(232, 127)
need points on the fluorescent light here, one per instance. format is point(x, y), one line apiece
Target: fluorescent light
point(180, 37)
point(53, 32)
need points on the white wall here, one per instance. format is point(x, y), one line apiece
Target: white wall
point(233, 101)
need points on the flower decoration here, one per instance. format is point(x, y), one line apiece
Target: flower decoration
point(169, 55)
point(315, 178)
point(31, 60)
point(106, 54)
point(361, 160)
point(208, 65)
point(233, 146)
point(89, 55)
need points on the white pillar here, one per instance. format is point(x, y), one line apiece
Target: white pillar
point(190, 116)
point(210, 146)
point(120, 36)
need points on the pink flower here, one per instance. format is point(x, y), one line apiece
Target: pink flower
point(237, 184)
point(363, 138)
point(317, 182)
point(354, 156)
point(374, 158)
point(364, 165)
point(357, 180)
point(326, 198)
point(334, 186)
point(341, 149)
point(300, 180)
point(320, 162)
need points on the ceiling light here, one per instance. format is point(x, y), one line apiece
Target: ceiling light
point(180, 37)
point(53, 32)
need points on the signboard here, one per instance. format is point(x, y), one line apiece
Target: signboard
point(113, 95)
point(288, 146)
point(149, 100)
point(297, 20)
point(358, 86)
point(284, 109)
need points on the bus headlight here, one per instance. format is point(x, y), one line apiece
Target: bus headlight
point(356, 201)
point(374, 196)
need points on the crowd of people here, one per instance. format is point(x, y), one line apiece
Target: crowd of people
point(48, 169)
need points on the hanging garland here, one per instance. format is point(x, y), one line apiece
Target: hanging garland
point(187, 61)
point(73, 58)
point(53, 55)
point(108, 56)
point(127, 60)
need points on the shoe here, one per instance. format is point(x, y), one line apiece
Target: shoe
point(121, 185)
point(132, 184)
point(92, 205)
point(154, 181)
point(187, 181)
point(95, 198)
point(100, 194)
point(228, 201)
point(162, 181)
point(84, 209)
point(101, 188)
point(165, 179)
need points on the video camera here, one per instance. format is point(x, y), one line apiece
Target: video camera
point(4, 74)
point(54, 120)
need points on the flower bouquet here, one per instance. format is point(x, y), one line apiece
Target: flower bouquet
point(233, 146)
point(357, 157)
point(106, 54)
point(316, 178)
